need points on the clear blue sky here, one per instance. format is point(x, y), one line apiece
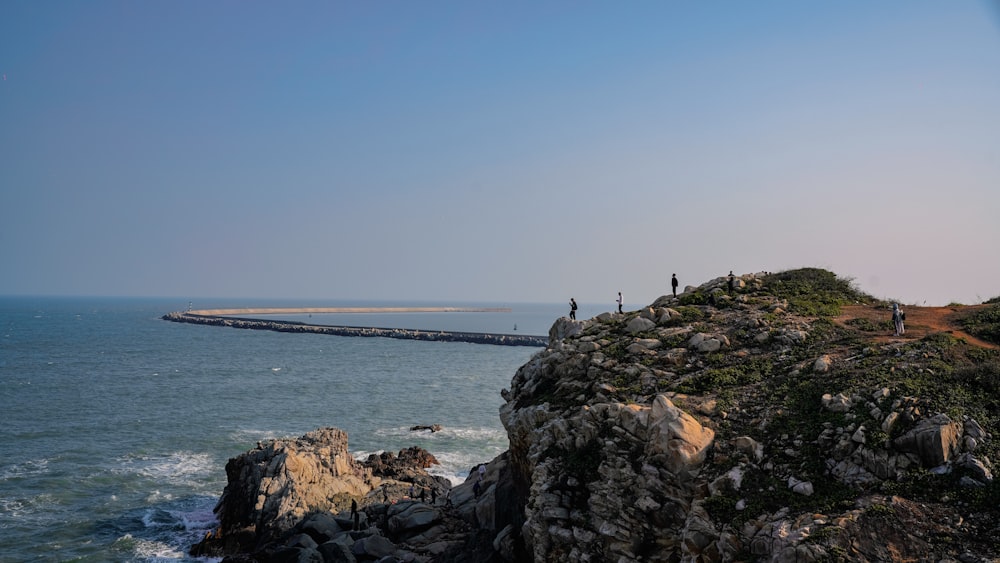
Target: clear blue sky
point(497, 151)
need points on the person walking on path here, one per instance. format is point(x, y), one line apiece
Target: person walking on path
point(620, 301)
point(673, 284)
point(572, 308)
point(898, 316)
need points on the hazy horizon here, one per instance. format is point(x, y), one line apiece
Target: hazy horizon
point(519, 152)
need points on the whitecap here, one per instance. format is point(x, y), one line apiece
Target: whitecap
point(198, 519)
point(177, 468)
point(29, 468)
point(149, 550)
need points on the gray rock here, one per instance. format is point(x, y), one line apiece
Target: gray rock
point(374, 546)
point(934, 440)
point(639, 324)
point(837, 403)
point(336, 552)
point(822, 364)
point(409, 518)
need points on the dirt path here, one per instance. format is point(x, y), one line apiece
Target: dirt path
point(920, 321)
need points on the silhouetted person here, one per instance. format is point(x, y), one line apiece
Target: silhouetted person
point(572, 308)
point(732, 281)
point(673, 284)
point(620, 301)
point(476, 489)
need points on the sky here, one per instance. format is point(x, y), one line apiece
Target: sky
point(497, 151)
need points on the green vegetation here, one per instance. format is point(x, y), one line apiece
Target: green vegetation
point(764, 493)
point(985, 323)
point(751, 370)
point(865, 325)
point(814, 291)
point(688, 314)
point(694, 298)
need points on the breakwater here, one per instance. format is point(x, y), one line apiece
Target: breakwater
point(200, 317)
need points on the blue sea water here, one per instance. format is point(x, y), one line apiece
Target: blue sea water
point(117, 425)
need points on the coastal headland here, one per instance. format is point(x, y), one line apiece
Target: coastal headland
point(232, 318)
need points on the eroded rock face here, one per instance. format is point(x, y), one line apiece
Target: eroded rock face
point(603, 478)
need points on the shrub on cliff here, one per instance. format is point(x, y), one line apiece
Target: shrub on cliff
point(985, 323)
point(814, 291)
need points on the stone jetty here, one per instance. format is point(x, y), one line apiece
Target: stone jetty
point(216, 318)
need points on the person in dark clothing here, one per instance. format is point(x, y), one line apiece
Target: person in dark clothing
point(476, 489)
point(732, 281)
point(673, 284)
point(572, 308)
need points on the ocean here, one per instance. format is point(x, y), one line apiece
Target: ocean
point(117, 425)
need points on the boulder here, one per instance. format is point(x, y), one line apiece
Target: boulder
point(639, 324)
point(706, 343)
point(822, 364)
point(677, 436)
point(837, 403)
point(409, 518)
point(373, 546)
point(934, 440)
point(564, 328)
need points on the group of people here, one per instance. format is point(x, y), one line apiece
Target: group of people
point(621, 301)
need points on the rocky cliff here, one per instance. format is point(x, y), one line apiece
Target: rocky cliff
point(763, 418)
point(755, 422)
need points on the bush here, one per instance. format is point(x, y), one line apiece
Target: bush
point(814, 291)
point(985, 324)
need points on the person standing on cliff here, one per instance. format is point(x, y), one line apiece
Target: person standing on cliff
point(620, 301)
point(572, 308)
point(673, 284)
point(897, 319)
point(732, 281)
